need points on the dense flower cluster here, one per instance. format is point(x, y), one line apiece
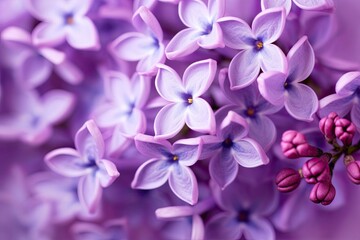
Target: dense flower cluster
point(176, 119)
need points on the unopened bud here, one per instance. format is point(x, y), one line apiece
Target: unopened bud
point(287, 180)
point(344, 130)
point(294, 145)
point(353, 171)
point(317, 169)
point(327, 126)
point(323, 192)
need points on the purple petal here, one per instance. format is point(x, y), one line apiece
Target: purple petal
point(243, 69)
point(200, 117)
point(89, 191)
point(152, 147)
point(89, 141)
point(80, 8)
point(141, 89)
point(57, 104)
point(216, 8)
point(314, 4)
point(271, 87)
point(262, 130)
point(67, 162)
point(198, 229)
point(199, 76)
point(348, 84)
point(236, 33)
point(265, 4)
point(170, 120)
point(83, 35)
point(188, 150)
point(35, 71)
point(355, 115)
point(107, 172)
point(194, 14)
point(118, 142)
point(272, 59)
point(109, 116)
point(118, 88)
point(69, 72)
point(249, 153)
point(45, 10)
point(135, 123)
point(223, 168)
point(301, 102)
point(147, 65)
point(174, 212)
point(335, 103)
point(211, 144)
point(183, 43)
point(269, 24)
point(48, 34)
point(16, 34)
point(146, 22)
point(212, 40)
point(168, 84)
point(86, 231)
point(132, 46)
point(223, 226)
point(233, 126)
point(301, 60)
point(52, 55)
point(151, 174)
point(259, 229)
point(183, 183)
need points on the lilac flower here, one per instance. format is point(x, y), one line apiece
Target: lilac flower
point(303, 4)
point(257, 51)
point(186, 105)
point(248, 103)
point(169, 163)
point(144, 46)
point(203, 29)
point(245, 210)
point(122, 111)
point(283, 88)
point(64, 19)
point(231, 147)
point(111, 230)
point(86, 161)
point(345, 100)
point(32, 117)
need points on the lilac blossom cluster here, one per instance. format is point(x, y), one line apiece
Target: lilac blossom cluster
point(174, 119)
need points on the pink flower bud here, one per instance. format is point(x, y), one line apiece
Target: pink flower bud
point(317, 170)
point(323, 192)
point(287, 180)
point(327, 126)
point(353, 171)
point(344, 130)
point(294, 145)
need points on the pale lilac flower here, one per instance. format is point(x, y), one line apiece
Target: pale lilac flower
point(284, 88)
point(122, 111)
point(37, 62)
point(249, 103)
point(303, 4)
point(203, 29)
point(64, 20)
point(32, 117)
point(186, 105)
point(114, 229)
point(169, 163)
point(145, 46)
point(230, 148)
point(256, 45)
point(86, 161)
point(345, 100)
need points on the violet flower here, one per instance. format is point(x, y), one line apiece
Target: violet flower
point(169, 163)
point(230, 148)
point(256, 45)
point(283, 88)
point(64, 20)
point(303, 4)
point(110, 230)
point(203, 29)
point(145, 46)
point(186, 105)
point(86, 161)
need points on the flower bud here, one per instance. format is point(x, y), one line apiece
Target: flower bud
point(353, 171)
point(323, 192)
point(327, 126)
point(344, 130)
point(317, 170)
point(287, 180)
point(294, 145)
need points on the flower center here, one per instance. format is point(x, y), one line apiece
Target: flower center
point(175, 158)
point(69, 19)
point(190, 100)
point(227, 143)
point(243, 216)
point(250, 111)
point(259, 45)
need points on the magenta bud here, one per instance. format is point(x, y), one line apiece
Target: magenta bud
point(317, 170)
point(287, 180)
point(323, 192)
point(344, 130)
point(294, 145)
point(327, 126)
point(353, 171)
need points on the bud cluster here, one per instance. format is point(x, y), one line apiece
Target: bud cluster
point(318, 170)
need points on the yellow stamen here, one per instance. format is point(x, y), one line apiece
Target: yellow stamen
point(69, 20)
point(259, 45)
point(175, 158)
point(190, 100)
point(250, 111)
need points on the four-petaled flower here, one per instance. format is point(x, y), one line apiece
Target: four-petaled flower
point(303, 4)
